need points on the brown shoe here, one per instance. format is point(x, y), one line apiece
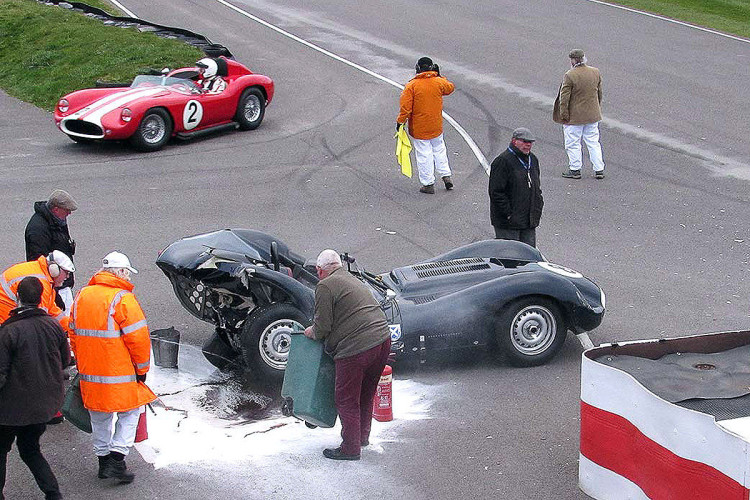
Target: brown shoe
point(429, 189)
point(448, 182)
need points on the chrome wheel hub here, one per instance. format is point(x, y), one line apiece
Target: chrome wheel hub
point(533, 330)
point(275, 342)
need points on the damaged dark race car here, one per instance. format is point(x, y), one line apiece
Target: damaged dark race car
point(494, 293)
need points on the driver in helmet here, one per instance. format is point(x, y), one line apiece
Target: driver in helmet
point(208, 78)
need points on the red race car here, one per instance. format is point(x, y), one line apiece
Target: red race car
point(217, 94)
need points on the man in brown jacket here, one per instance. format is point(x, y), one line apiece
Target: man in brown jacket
point(578, 108)
point(421, 105)
point(355, 331)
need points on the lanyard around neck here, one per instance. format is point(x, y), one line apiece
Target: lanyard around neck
point(526, 166)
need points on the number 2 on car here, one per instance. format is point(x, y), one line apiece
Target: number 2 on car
point(192, 115)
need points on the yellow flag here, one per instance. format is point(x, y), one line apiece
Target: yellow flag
point(403, 148)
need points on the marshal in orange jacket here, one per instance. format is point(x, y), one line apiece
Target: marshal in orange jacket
point(9, 286)
point(422, 104)
point(111, 343)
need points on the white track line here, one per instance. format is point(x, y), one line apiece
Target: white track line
point(469, 141)
point(670, 20)
point(585, 340)
point(123, 8)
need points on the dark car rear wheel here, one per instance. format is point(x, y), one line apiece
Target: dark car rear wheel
point(267, 336)
point(250, 109)
point(530, 331)
point(153, 132)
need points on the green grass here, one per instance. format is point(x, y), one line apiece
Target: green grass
point(104, 5)
point(728, 16)
point(48, 51)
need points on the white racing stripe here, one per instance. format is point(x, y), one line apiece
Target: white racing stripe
point(94, 112)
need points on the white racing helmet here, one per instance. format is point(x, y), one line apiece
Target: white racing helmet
point(210, 68)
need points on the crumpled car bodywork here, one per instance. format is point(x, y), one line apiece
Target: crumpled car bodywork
point(496, 293)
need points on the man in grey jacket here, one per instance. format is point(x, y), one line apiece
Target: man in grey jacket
point(578, 108)
point(355, 331)
point(33, 352)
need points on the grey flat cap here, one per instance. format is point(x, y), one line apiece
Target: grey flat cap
point(576, 54)
point(524, 134)
point(62, 199)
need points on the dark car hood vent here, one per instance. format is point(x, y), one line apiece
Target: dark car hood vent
point(444, 267)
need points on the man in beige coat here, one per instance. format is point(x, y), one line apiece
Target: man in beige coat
point(578, 108)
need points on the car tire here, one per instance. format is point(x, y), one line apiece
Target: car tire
point(218, 352)
point(266, 338)
point(250, 109)
point(153, 132)
point(530, 331)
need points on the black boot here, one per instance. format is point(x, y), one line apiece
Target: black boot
point(103, 462)
point(117, 469)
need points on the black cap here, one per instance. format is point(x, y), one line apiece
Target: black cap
point(424, 64)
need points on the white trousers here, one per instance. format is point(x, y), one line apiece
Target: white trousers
point(590, 135)
point(66, 294)
point(120, 438)
point(431, 156)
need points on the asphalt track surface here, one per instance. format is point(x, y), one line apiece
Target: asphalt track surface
point(665, 233)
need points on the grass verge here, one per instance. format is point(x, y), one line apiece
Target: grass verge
point(48, 51)
point(728, 16)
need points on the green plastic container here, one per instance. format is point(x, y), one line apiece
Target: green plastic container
point(309, 382)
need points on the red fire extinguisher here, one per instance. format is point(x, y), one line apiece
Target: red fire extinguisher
point(141, 433)
point(382, 409)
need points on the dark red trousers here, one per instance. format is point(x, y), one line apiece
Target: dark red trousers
point(357, 380)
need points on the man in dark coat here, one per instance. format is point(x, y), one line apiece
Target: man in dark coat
point(47, 230)
point(33, 352)
point(515, 194)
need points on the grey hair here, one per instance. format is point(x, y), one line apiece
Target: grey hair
point(328, 260)
point(120, 272)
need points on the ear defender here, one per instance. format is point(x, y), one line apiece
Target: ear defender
point(52, 267)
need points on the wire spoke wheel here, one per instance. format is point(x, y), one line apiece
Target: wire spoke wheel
point(154, 129)
point(252, 109)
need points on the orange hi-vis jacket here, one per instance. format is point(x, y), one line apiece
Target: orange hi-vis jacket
point(111, 343)
point(9, 286)
point(421, 104)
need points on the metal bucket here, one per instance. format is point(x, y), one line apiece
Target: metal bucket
point(166, 346)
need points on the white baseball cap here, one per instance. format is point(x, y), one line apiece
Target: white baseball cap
point(61, 260)
point(117, 259)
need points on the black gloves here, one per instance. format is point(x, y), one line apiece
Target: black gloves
point(435, 67)
point(397, 126)
point(141, 378)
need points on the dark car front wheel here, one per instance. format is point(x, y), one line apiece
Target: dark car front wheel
point(250, 109)
point(218, 352)
point(530, 331)
point(153, 132)
point(267, 336)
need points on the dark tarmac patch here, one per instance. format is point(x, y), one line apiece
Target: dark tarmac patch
point(242, 399)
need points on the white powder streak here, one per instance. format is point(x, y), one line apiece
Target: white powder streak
point(199, 435)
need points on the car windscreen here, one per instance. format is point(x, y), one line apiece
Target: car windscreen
point(179, 84)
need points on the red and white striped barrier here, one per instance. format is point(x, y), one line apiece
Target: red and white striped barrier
point(635, 445)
